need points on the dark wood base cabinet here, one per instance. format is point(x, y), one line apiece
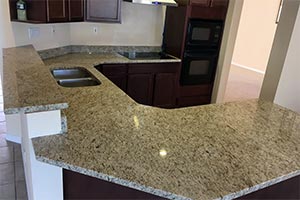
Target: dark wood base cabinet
point(153, 84)
point(286, 190)
point(79, 186)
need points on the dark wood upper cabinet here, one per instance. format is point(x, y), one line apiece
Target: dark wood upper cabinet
point(57, 11)
point(50, 11)
point(209, 3)
point(76, 10)
point(205, 3)
point(103, 10)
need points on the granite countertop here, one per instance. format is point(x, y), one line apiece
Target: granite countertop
point(27, 84)
point(219, 151)
point(26, 76)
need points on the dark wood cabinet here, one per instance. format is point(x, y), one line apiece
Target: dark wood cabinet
point(153, 84)
point(210, 3)
point(76, 10)
point(140, 88)
point(103, 10)
point(116, 73)
point(50, 11)
point(219, 3)
point(83, 187)
point(57, 11)
point(165, 86)
point(205, 3)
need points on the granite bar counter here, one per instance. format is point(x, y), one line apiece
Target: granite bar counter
point(218, 151)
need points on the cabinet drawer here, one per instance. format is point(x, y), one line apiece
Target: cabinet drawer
point(153, 68)
point(199, 90)
point(205, 3)
point(193, 101)
point(113, 69)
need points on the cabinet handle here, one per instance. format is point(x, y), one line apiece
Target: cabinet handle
point(279, 11)
point(211, 3)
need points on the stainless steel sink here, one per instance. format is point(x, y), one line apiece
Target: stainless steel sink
point(74, 77)
point(70, 73)
point(78, 82)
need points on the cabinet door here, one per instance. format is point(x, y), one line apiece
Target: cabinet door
point(116, 73)
point(165, 90)
point(76, 10)
point(140, 88)
point(119, 80)
point(205, 3)
point(57, 11)
point(103, 10)
point(219, 3)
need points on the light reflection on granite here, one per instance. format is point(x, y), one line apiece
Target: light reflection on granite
point(220, 151)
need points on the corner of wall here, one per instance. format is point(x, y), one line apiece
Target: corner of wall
point(279, 50)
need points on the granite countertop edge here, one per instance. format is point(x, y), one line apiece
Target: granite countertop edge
point(159, 192)
point(112, 179)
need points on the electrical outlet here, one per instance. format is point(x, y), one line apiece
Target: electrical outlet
point(95, 30)
point(53, 29)
point(34, 32)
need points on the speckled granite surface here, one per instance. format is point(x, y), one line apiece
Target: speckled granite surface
point(27, 84)
point(212, 152)
point(208, 152)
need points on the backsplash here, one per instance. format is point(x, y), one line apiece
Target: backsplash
point(50, 53)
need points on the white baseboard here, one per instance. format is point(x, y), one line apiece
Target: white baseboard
point(248, 68)
point(13, 138)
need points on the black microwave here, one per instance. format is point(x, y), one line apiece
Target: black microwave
point(204, 34)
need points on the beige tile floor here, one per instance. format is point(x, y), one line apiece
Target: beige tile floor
point(12, 178)
point(243, 84)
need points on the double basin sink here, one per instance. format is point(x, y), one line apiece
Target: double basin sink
point(74, 77)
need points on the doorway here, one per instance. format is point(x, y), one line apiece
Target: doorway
point(252, 49)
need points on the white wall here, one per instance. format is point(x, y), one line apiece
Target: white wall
point(256, 33)
point(288, 90)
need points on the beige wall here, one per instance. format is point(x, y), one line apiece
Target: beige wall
point(279, 51)
point(141, 25)
point(256, 33)
point(227, 48)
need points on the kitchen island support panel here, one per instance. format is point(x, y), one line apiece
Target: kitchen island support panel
point(43, 181)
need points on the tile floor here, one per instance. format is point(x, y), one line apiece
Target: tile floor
point(243, 84)
point(12, 178)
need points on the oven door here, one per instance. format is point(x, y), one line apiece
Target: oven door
point(198, 68)
point(204, 33)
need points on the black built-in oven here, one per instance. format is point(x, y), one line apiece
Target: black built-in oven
point(201, 53)
point(198, 68)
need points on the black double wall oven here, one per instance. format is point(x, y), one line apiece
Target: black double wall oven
point(201, 51)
